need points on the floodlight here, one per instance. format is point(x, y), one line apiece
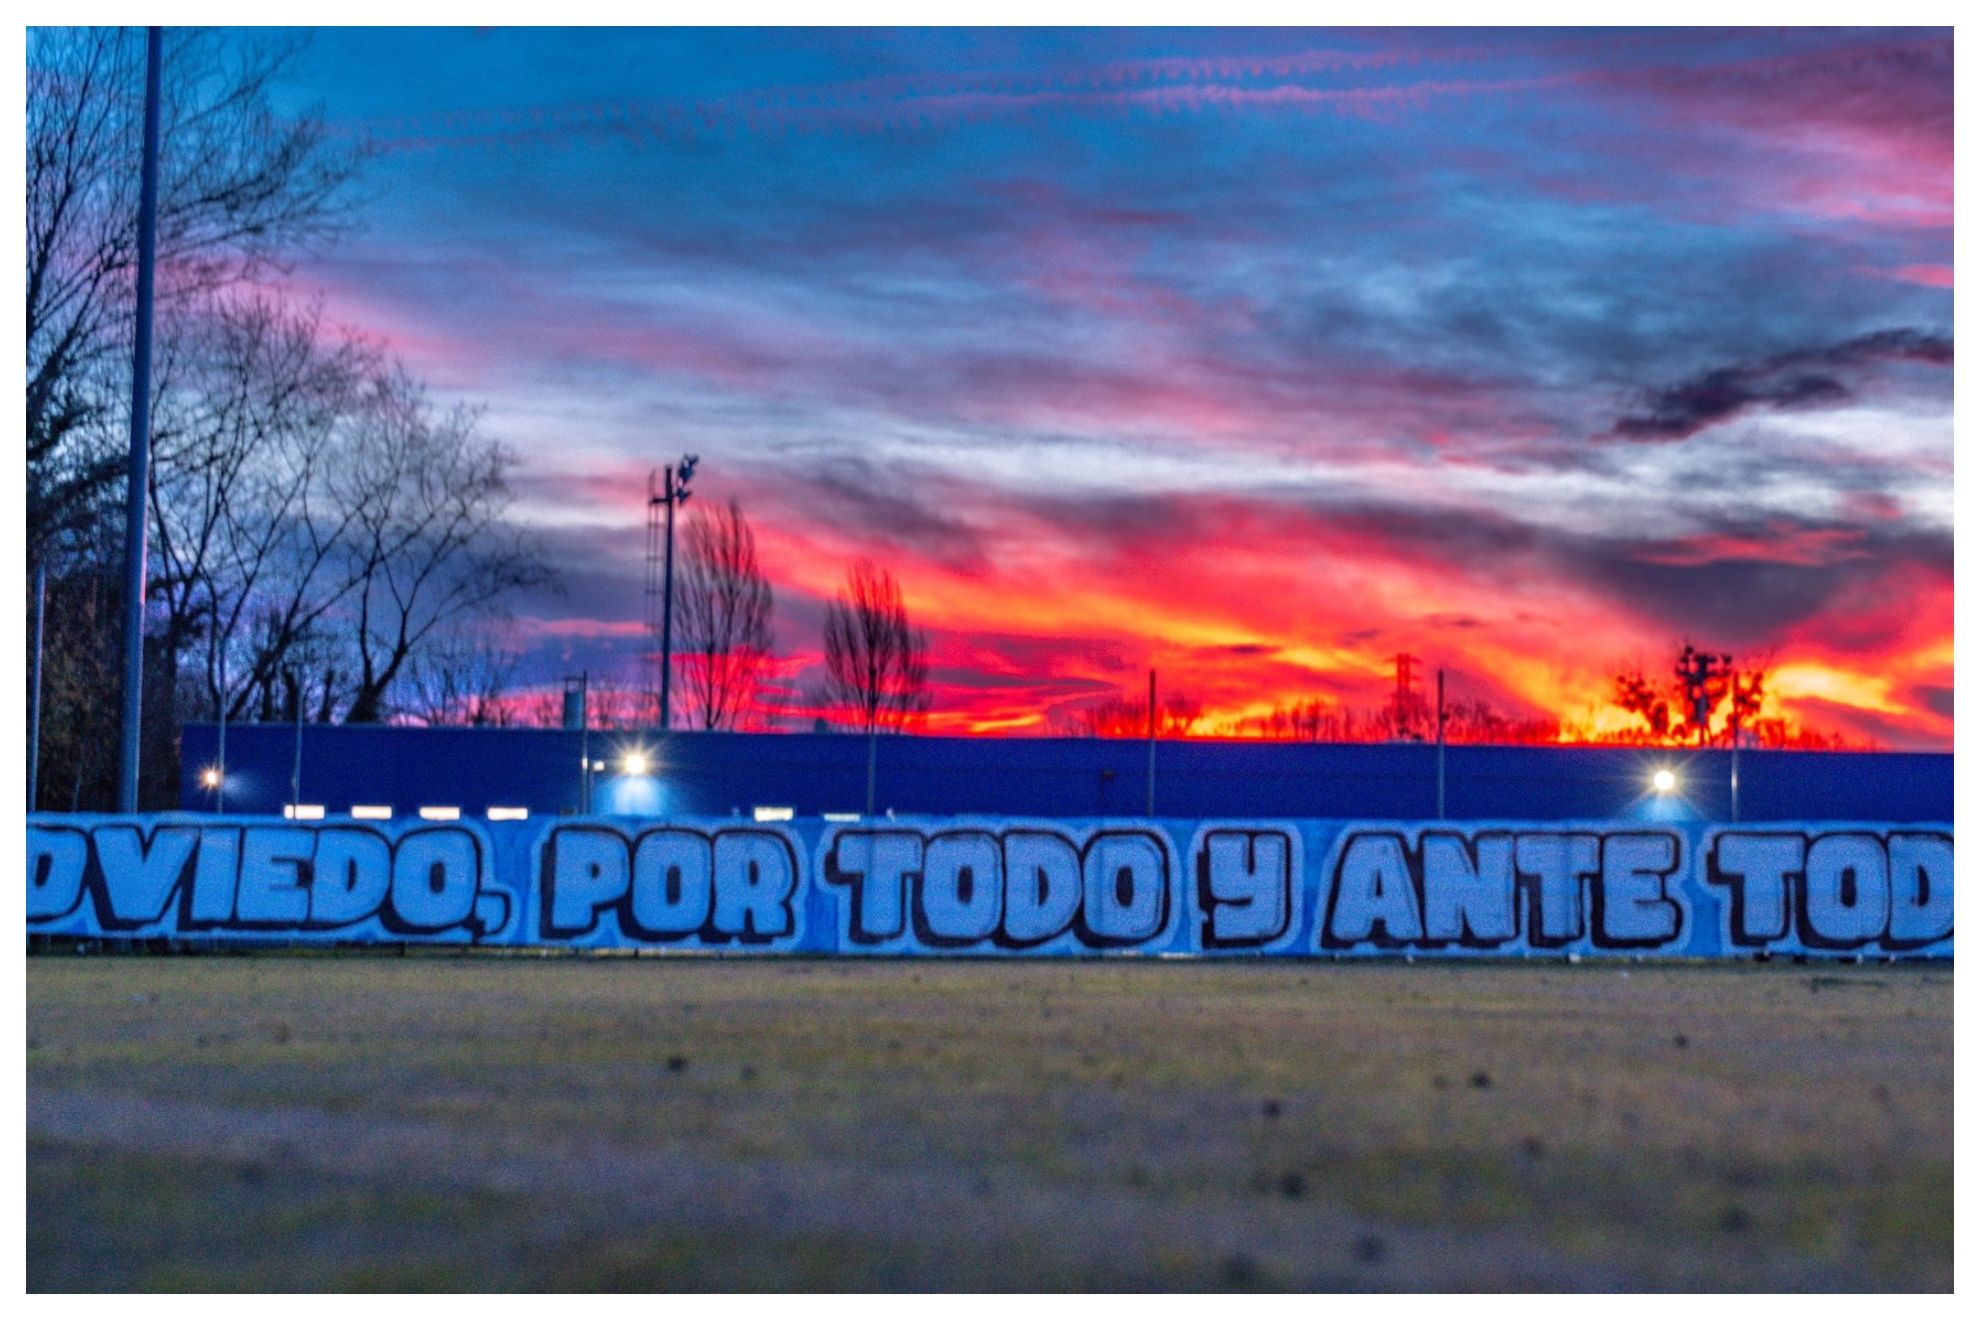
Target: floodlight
point(634, 763)
point(1663, 781)
point(210, 777)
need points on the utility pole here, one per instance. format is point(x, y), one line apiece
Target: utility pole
point(1737, 695)
point(1151, 744)
point(1440, 742)
point(220, 770)
point(1735, 768)
point(667, 491)
point(295, 771)
point(577, 715)
point(872, 757)
point(140, 465)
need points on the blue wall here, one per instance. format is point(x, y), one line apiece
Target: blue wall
point(996, 886)
point(716, 774)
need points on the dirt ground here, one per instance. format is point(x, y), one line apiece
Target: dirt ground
point(345, 1121)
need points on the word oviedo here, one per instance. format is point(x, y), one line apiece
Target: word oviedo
point(980, 886)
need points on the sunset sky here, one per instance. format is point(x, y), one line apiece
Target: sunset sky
point(1255, 357)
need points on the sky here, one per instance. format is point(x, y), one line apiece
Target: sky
point(1254, 357)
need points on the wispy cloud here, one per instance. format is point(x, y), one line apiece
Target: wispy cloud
point(1804, 378)
point(1254, 356)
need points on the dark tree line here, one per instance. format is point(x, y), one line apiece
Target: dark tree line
point(322, 535)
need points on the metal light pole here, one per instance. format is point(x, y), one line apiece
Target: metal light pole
point(140, 468)
point(872, 757)
point(34, 715)
point(220, 783)
point(1735, 756)
point(295, 770)
point(1151, 744)
point(1440, 742)
point(673, 491)
point(583, 694)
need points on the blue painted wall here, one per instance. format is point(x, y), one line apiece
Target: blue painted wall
point(716, 774)
point(999, 886)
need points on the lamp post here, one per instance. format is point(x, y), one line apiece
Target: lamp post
point(1440, 742)
point(1735, 746)
point(671, 491)
point(295, 769)
point(220, 783)
point(140, 462)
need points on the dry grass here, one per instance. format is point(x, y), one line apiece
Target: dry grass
point(294, 1120)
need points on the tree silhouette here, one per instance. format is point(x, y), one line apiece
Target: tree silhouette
point(1709, 698)
point(1176, 716)
point(876, 662)
point(722, 618)
point(240, 186)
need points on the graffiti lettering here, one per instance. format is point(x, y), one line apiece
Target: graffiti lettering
point(57, 858)
point(1013, 889)
point(961, 898)
point(988, 886)
point(1555, 869)
point(669, 884)
point(1244, 885)
point(1633, 905)
point(1462, 888)
point(1468, 889)
point(1042, 887)
point(1842, 890)
point(266, 878)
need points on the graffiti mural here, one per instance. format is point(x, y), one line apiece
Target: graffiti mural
point(600, 884)
point(1844, 890)
point(344, 881)
point(982, 886)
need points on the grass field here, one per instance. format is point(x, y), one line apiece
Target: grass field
point(343, 1121)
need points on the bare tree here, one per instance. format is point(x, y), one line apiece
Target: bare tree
point(1713, 698)
point(238, 185)
point(722, 618)
point(1176, 716)
point(253, 412)
point(464, 676)
point(431, 542)
point(313, 517)
point(876, 663)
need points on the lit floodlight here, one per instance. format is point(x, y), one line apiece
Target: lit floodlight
point(634, 763)
point(210, 777)
point(1663, 781)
